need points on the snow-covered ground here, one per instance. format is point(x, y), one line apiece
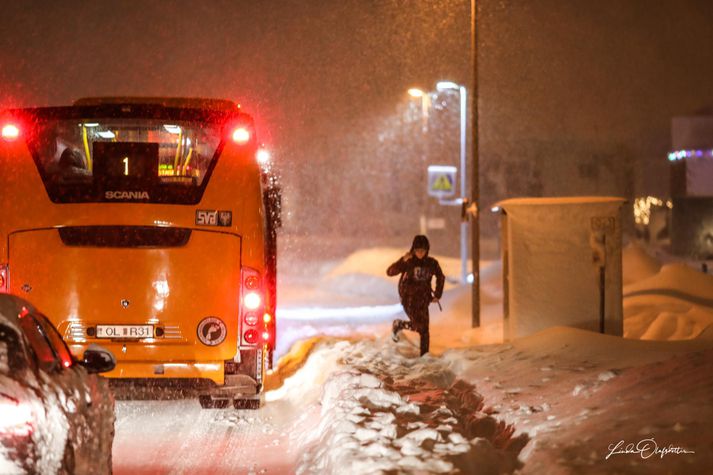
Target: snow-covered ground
point(346, 399)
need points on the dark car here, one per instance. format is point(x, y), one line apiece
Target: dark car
point(56, 413)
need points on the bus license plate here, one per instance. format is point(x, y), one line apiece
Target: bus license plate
point(124, 331)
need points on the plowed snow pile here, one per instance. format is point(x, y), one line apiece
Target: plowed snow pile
point(383, 409)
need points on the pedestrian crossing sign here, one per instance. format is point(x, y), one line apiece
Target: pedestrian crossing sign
point(441, 180)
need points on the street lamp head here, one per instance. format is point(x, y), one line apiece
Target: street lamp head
point(415, 92)
point(443, 85)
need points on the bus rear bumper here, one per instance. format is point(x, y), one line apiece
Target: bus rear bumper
point(213, 371)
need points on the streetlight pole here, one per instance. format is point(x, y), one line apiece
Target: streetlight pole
point(475, 185)
point(441, 86)
point(425, 99)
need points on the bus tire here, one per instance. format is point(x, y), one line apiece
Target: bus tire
point(207, 402)
point(247, 403)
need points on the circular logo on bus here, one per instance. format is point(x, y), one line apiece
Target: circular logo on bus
point(212, 331)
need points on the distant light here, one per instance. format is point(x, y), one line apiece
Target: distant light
point(263, 156)
point(470, 278)
point(91, 124)
point(106, 134)
point(643, 207)
point(10, 132)
point(495, 209)
point(172, 129)
point(681, 154)
point(443, 85)
point(415, 92)
point(442, 169)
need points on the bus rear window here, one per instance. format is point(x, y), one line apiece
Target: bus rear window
point(125, 159)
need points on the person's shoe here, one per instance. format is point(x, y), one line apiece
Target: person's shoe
point(395, 328)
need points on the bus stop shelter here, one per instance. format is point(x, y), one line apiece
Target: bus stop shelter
point(561, 264)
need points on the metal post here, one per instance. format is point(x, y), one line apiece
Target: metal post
point(464, 223)
point(475, 228)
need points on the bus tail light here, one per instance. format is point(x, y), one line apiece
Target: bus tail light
point(252, 301)
point(252, 304)
point(10, 132)
point(4, 287)
point(241, 135)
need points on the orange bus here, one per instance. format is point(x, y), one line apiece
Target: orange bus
point(148, 226)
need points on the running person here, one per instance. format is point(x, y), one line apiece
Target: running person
point(417, 270)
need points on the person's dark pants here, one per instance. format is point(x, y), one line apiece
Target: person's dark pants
point(417, 312)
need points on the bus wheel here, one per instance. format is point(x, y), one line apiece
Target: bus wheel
point(208, 402)
point(246, 403)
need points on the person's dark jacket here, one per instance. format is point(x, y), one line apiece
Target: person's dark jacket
point(416, 276)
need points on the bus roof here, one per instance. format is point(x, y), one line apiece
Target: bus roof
point(172, 102)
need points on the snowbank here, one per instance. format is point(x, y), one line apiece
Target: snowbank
point(637, 264)
point(383, 409)
point(572, 393)
point(675, 303)
point(575, 393)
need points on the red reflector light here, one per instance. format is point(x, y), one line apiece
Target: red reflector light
point(24, 312)
point(10, 132)
point(241, 135)
point(250, 336)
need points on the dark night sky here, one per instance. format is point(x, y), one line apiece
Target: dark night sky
point(287, 62)
point(560, 81)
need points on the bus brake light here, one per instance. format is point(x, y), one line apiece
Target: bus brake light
point(10, 132)
point(241, 135)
